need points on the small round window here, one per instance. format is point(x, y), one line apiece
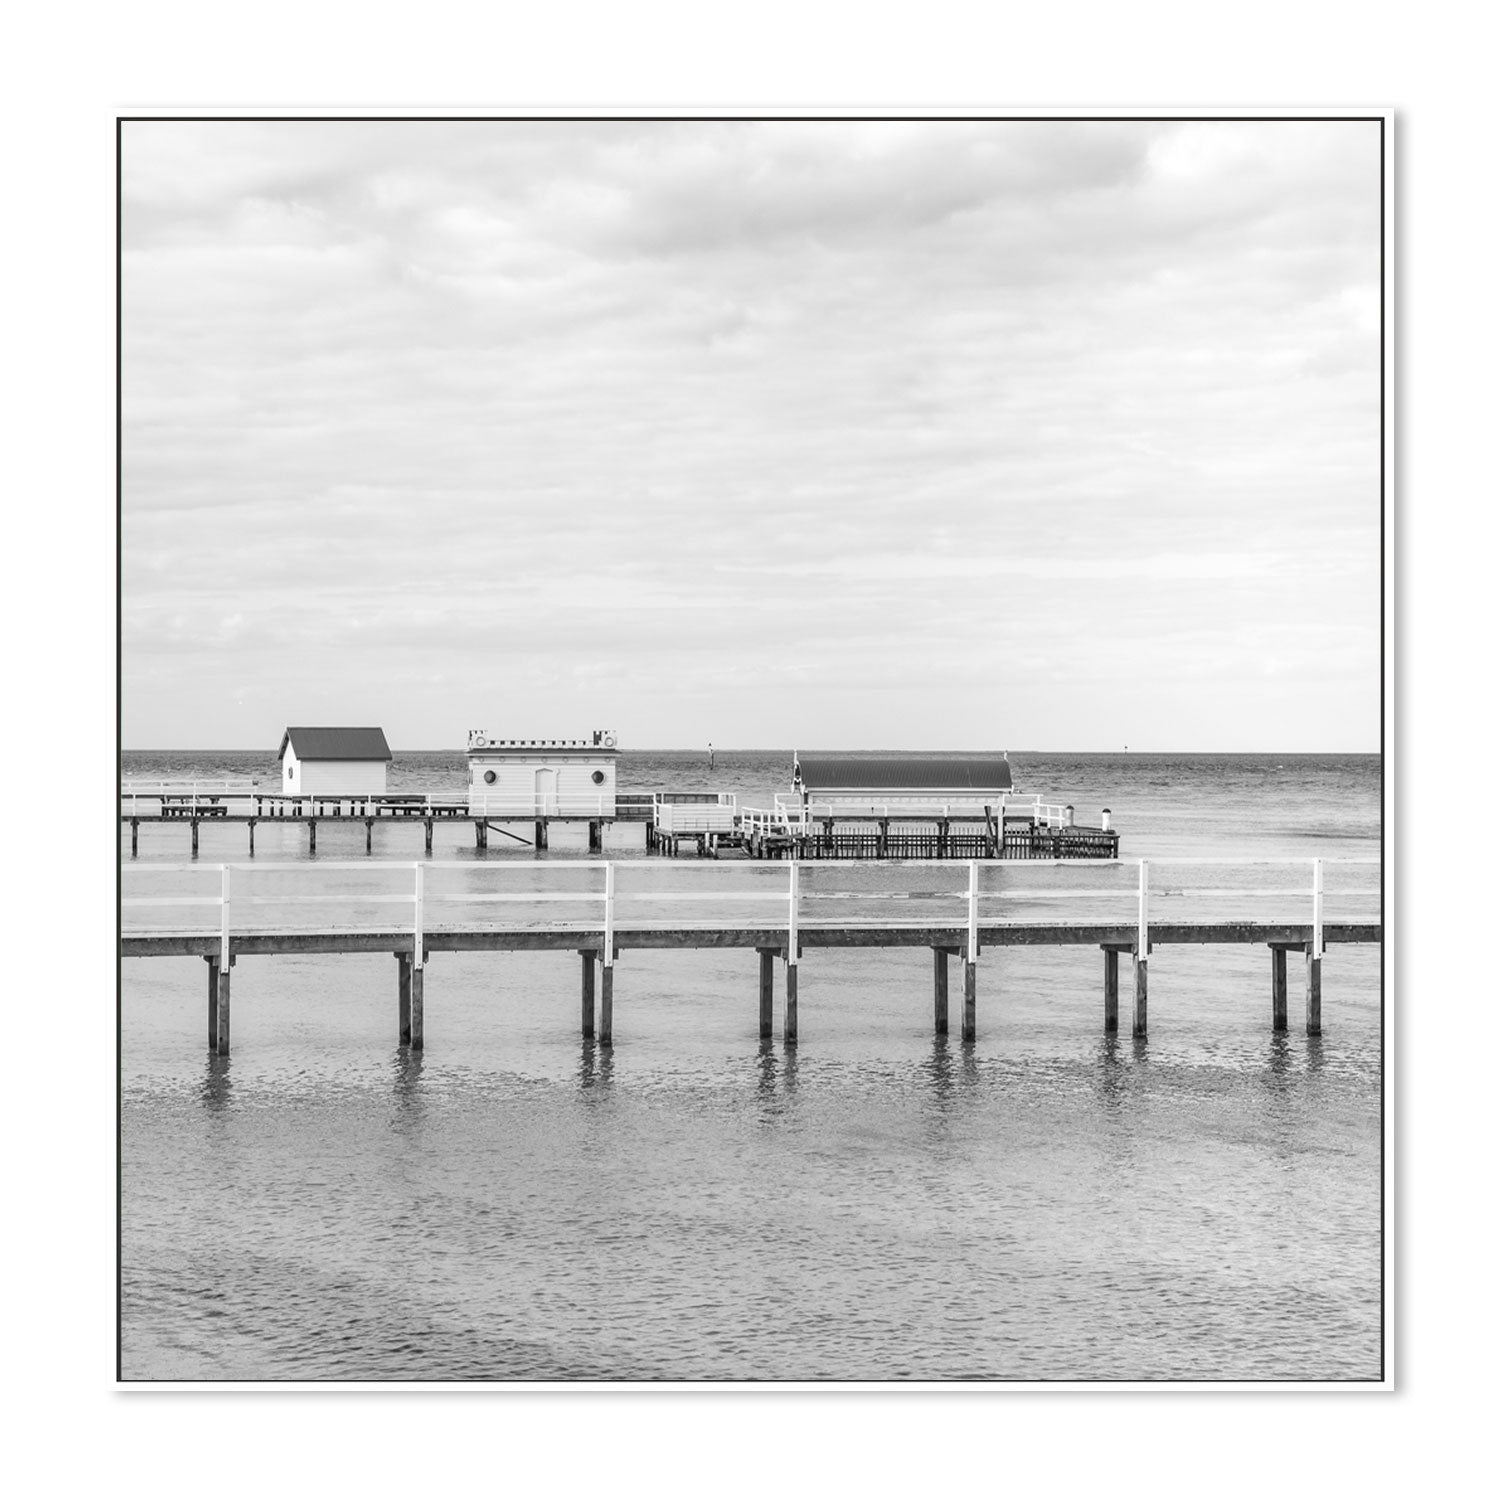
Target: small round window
point(489, 778)
point(598, 778)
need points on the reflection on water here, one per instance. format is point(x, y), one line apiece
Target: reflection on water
point(596, 1069)
point(214, 1090)
point(406, 1076)
point(1108, 1074)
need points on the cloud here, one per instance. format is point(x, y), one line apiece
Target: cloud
point(593, 400)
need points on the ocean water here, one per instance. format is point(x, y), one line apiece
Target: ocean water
point(695, 1204)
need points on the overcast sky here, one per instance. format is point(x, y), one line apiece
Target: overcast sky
point(941, 435)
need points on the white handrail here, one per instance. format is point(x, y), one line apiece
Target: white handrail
point(979, 905)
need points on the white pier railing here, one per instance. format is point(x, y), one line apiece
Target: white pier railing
point(504, 806)
point(191, 795)
point(790, 814)
point(993, 893)
point(715, 813)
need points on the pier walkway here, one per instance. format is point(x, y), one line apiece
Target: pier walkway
point(601, 909)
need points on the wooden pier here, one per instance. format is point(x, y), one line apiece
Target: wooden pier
point(814, 835)
point(974, 930)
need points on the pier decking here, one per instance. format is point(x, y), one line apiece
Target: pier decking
point(972, 921)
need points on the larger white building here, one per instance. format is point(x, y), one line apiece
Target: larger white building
point(542, 778)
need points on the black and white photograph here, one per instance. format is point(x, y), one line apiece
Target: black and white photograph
point(753, 750)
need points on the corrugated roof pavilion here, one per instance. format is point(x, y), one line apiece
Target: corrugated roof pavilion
point(903, 773)
point(367, 743)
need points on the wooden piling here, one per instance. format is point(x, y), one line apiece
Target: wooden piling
point(195, 837)
point(213, 1005)
point(1111, 990)
point(403, 998)
point(940, 991)
point(971, 1000)
point(312, 835)
point(1138, 1024)
point(417, 973)
point(1278, 989)
point(589, 959)
point(251, 826)
point(767, 990)
point(135, 835)
point(221, 1036)
point(789, 1021)
point(1314, 993)
point(428, 823)
point(369, 835)
point(607, 1005)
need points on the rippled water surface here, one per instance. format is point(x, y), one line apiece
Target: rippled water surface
point(872, 1204)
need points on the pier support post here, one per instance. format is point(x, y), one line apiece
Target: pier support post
point(213, 1004)
point(1314, 993)
point(428, 823)
point(789, 1019)
point(403, 998)
point(312, 835)
point(135, 835)
point(1138, 1023)
point(221, 1038)
point(1278, 989)
point(195, 837)
point(767, 990)
point(1111, 990)
point(607, 1004)
point(589, 959)
point(971, 1000)
point(251, 826)
point(481, 836)
point(417, 975)
point(369, 835)
point(940, 991)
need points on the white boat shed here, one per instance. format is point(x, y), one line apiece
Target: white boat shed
point(542, 778)
point(334, 762)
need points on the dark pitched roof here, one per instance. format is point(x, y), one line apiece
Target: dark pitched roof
point(890, 773)
point(336, 744)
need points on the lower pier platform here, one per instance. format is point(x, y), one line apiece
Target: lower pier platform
point(600, 950)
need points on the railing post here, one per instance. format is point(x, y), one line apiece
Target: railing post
point(973, 911)
point(791, 920)
point(971, 959)
point(607, 978)
point(1142, 952)
point(1317, 895)
point(789, 1020)
point(418, 966)
point(224, 919)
